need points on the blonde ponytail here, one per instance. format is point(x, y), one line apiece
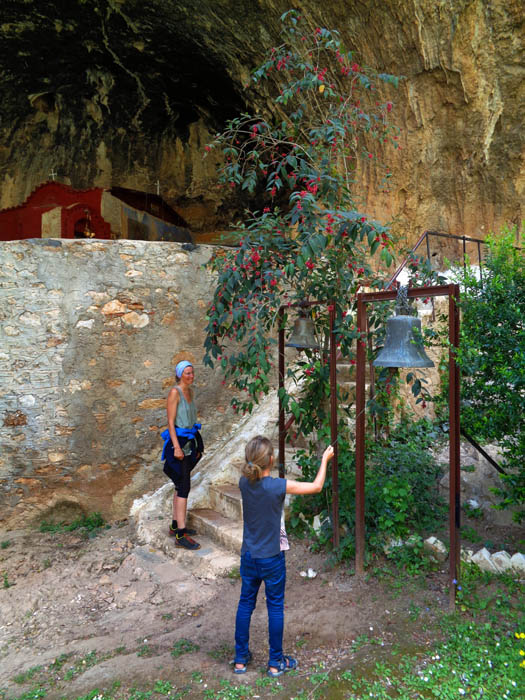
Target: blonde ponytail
point(258, 454)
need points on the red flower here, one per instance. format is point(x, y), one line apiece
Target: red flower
point(388, 106)
point(309, 264)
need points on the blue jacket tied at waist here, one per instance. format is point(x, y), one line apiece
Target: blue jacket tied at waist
point(188, 433)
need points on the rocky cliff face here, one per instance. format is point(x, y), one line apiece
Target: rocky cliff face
point(122, 92)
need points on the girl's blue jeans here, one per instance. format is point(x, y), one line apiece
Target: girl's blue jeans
point(272, 571)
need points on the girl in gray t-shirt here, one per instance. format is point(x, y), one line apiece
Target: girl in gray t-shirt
point(261, 555)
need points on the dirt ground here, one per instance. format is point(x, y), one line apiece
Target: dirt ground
point(80, 613)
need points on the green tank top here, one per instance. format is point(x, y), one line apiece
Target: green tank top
point(186, 416)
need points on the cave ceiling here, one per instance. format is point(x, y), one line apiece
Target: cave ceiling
point(148, 65)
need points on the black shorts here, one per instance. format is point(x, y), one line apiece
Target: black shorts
point(179, 471)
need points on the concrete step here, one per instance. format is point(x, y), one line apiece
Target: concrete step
point(208, 562)
point(226, 499)
point(219, 528)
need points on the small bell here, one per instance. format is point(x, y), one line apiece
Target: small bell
point(303, 334)
point(402, 346)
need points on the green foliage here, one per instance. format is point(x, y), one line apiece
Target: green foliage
point(184, 646)
point(402, 480)
point(90, 523)
point(163, 687)
point(33, 694)
point(5, 544)
point(492, 359)
point(309, 242)
point(146, 650)
point(27, 675)
point(89, 660)
point(234, 574)
point(401, 488)
point(228, 691)
point(221, 653)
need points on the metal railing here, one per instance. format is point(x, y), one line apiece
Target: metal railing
point(426, 238)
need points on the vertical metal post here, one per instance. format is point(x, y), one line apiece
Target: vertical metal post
point(427, 237)
point(480, 264)
point(281, 387)
point(454, 451)
point(360, 442)
point(333, 426)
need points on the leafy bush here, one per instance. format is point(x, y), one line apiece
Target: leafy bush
point(492, 359)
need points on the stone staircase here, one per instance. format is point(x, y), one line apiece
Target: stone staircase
point(222, 521)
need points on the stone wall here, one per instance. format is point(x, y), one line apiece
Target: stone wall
point(90, 333)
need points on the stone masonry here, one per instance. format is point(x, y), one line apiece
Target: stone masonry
point(90, 332)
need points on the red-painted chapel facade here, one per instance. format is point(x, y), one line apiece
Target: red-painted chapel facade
point(56, 210)
point(54, 206)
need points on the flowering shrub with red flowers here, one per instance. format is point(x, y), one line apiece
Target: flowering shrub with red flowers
point(310, 241)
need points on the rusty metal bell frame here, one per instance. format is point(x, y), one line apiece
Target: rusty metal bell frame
point(303, 334)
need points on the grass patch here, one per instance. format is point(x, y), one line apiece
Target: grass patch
point(479, 655)
point(184, 646)
point(5, 544)
point(90, 524)
point(234, 574)
point(228, 691)
point(221, 653)
point(27, 675)
point(60, 661)
point(83, 664)
point(33, 694)
point(146, 650)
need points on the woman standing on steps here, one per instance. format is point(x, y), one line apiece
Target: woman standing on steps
point(183, 448)
point(261, 555)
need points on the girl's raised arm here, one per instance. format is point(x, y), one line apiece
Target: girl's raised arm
point(315, 486)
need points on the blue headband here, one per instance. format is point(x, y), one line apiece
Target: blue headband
point(179, 369)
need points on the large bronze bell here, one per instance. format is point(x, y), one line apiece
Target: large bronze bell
point(400, 348)
point(303, 334)
point(403, 347)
